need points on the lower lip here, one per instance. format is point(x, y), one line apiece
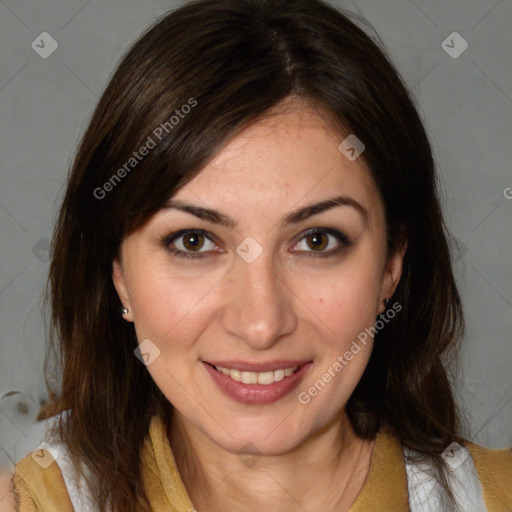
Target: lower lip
point(257, 394)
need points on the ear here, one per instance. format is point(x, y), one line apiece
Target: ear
point(392, 274)
point(120, 286)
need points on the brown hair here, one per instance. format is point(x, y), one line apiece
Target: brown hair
point(236, 59)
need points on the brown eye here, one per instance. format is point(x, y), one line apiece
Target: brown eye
point(189, 243)
point(193, 241)
point(322, 242)
point(317, 241)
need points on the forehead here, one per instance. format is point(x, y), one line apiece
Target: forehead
point(287, 158)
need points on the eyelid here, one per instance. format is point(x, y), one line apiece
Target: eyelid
point(344, 240)
point(167, 240)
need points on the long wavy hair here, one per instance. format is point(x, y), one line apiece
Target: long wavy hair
point(231, 62)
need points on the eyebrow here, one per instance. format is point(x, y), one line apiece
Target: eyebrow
point(294, 217)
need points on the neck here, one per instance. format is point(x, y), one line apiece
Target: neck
point(300, 479)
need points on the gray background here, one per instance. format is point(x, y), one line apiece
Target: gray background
point(466, 103)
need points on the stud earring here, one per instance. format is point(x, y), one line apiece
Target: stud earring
point(124, 311)
point(386, 302)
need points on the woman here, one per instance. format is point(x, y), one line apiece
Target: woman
point(252, 294)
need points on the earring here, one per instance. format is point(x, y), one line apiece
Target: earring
point(386, 302)
point(124, 311)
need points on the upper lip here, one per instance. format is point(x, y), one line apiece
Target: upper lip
point(248, 366)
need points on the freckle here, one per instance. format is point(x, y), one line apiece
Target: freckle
point(321, 301)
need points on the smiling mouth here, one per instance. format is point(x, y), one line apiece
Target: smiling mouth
point(275, 379)
point(262, 378)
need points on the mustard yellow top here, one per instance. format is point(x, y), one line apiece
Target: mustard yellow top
point(385, 488)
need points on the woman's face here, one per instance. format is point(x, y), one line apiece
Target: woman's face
point(264, 289)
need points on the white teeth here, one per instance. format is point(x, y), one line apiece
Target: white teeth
point(235, 375)
point(264, 378)
point(249, 377)
point(278, 375)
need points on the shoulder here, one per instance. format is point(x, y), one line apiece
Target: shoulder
point(7, 496)
point(39, 484)
point(494, 468)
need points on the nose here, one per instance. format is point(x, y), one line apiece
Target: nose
point(259, 306)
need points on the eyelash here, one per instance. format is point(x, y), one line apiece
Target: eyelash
point(341, 237)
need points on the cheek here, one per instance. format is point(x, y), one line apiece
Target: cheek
point(164, 304)
point(174, 302)
point(347, 308)
point(346, 300)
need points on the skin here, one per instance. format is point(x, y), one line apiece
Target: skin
point(290, 303)
point(7, 496)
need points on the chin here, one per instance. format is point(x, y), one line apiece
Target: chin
point(275, 435)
